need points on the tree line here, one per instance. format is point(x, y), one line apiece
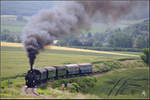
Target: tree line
point(134, 36)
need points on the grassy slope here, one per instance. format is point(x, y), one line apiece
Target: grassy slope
point(132, 83)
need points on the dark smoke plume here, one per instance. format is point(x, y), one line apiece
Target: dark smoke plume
point(66, 19)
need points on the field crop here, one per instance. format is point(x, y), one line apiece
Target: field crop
point(72, 49)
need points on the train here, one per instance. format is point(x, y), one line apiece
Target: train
point(36, 77)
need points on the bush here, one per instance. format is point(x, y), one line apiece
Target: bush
point(77, 84)
point(43, 86)
point(145, 56)
point(74, 87)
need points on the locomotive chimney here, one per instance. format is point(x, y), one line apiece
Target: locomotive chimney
point(32, 56)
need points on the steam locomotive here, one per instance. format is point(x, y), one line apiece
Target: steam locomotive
point(36, 77)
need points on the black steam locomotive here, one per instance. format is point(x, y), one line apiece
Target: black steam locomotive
point(36, 77)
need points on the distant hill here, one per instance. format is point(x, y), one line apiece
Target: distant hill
point(31, 7)
point(139, 28)
point(26, 8)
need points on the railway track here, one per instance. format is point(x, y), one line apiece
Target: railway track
point(30, 91)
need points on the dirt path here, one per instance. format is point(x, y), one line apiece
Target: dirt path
point(29, 92)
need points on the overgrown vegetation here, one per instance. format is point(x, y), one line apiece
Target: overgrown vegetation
point(78, 84)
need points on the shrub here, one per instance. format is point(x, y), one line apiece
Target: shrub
point(145, 55)
point(44, 86)
point(77, 84)
point(74, 87)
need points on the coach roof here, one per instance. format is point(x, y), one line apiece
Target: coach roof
point(60, 67)
point(72, 65)
point(50, 68)
point(86, 64)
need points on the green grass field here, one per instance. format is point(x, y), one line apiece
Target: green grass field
point(14, 66)
point(11, 24)
point(129, 83)
point(14, 58)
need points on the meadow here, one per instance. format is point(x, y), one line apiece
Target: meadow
point(14, 66)
point(13, 58)
point(10, 23)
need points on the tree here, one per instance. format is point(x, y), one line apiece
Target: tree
point(97, 44)
point(145, 56)
point(140, 42)
point(89, 42)
point(4, 34)
point(121, 40)
point(74, 42)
